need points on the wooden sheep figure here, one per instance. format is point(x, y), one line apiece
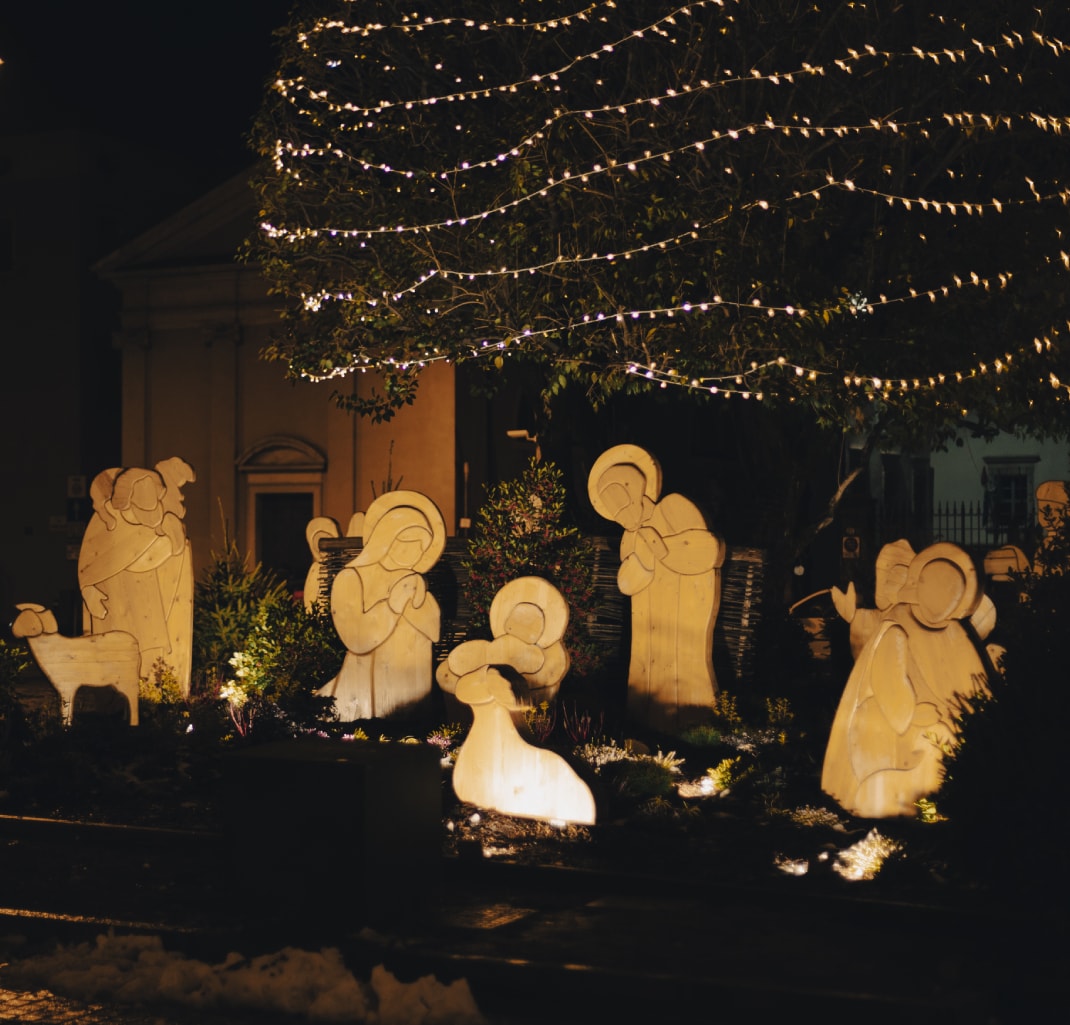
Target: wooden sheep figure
point(92, 660)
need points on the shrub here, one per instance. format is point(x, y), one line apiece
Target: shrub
point(288, 653)
point(15, 659)
point(520, 531)
point(257, 647)
point(628, 773)
point(16, 728)
point(639, 778)
point(1003, 780)
point(227, 601)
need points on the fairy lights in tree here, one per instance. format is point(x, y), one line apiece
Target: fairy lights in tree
point(735, 198)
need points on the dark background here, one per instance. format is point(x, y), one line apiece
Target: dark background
point(182, 79)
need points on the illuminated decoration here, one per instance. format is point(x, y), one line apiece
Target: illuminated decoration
point(670, 567)
point(135, 572)
point(528, 616)
point(384, 613)
point(917, 665)
point(497, 768)
point(135, 565)
point(1053, 505)
point(109, 659)
point(719, 196)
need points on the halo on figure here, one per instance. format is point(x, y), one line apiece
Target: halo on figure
point(318, 528)
point(953, 593)
point(892, 569)
point(531, 591)
point(623, 455)
point(1052, 500)
point(1053, 492)
point(422, 508)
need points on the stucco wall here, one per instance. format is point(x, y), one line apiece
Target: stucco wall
point(957, 471)
point(195, 386)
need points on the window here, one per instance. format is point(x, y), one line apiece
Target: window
point(1008, 497)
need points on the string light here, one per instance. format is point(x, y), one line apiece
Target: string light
point(350, 131)
point(751, 382)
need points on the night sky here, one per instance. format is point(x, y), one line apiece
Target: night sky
point(183, 78)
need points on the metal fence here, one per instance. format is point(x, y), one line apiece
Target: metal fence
point(968, 525)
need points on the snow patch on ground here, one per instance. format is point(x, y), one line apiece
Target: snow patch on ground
point(315, 985)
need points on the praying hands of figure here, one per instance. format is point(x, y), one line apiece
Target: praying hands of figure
point(637, 566)
point(411, 589)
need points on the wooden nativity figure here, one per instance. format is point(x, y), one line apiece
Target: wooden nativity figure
point(671, 568)
point(135, 567)
point(919, 661)
point(317, 529)
point(1053, 504)
point(383, 612)
point(496, 768)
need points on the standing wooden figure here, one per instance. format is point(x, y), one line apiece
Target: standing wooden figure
point(135, 567)
point(1053, 505)
point(920, 661)
point(383, 612)
point(670, 566)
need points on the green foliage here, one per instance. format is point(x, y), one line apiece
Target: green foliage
point(163, 707)
point(779, 717)
point(1007, 772)
point(727, 713)
point(639, 778)
point(258, 648)
point(720, 193)
point(927, 811)
point(726, 773)
point(628, 773)
point(540, 720)
point(702, 735)
point(288, 653)
point(521, 531)
point(228, 601)
point(447, 738)
point(15, 659)
point(161, 686)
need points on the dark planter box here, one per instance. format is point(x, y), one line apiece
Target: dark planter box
point(328, 830)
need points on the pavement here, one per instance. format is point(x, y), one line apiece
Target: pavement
point(540, 944)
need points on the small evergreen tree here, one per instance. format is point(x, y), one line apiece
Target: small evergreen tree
point(227, 601)
point(256, 646)
point(521, 531)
